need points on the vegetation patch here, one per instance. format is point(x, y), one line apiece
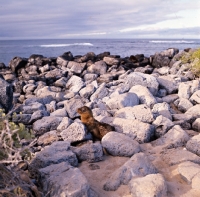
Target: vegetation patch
point(193, 58)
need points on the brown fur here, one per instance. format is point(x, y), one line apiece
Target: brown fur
point(98, 129)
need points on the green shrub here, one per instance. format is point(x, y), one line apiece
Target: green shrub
point(193, 58)
point(11, 134)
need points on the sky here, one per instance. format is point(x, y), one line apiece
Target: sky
point(40, 19)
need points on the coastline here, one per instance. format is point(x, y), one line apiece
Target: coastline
point(151, 101)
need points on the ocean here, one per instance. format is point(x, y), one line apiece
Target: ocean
point(123, 47)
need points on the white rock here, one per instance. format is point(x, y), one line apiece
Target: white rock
point(162, 109)
point(64, 124)
point(195, 110)
point(46, 124)
point(75, 132)
point(90, 152)
point(64, 180)
point(123, 100)
point(72, 105)
point(100, 93)
point(55, 153)
point(118, 144)
point(196, 125)
point(59, 113)
point(87, 91)
point(183, 104)
point(193, 145)
point(175, 137)
point(111, 61)
point(137, 78)
point(99, 68)
point(140, 112)
point(195, 98)
point(74, 84)
point(169, 82)
point(162, 125)
point(137, 165)
point(188, 170)
point(184, 90)
point(144, 95)
point(152, 185)
point(135, 129)
point(75, 67)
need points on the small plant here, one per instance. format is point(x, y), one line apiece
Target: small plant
point(11, 134)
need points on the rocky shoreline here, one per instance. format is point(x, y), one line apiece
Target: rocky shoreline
point(153, 103)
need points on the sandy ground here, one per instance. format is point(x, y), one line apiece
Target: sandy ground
point(97, 174)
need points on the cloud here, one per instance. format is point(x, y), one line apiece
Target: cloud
point(105, 18)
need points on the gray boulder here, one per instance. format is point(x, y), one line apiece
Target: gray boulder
point(62, 61)
point(194, 111)
point(195, 98)
point(64, 180)
point(100, 93)
point(152, 185)
point(135, 129)
point(72, 105)
point(87, 91)
point(22, 118)
point(162, 125)
point(59, 113)
point(46, 124)
point(44, 68)
point(29, 88)
point(146, 80)
point(174, 138)
point(162, 109)
point(64, 124)
point(90, 77)
point(98, 68)
point(76, 68)
point(184, 90)
point(175, 156)
point(185, 117)
point(38, 115)
point(61, 82)
point(51, 107)
point(193, 145)
point(137, 165)
point(47, 91)
point(160, 60)
point(90, 152)
point(75, 132)
point(47, 138)
point(118, 144)
point(196, 125)
point(32, 107)
point(170, 98)
point(169, 83)
point(123, 100)
point(144, 95)
point(140, 112)
point(16, 63)
point(74, 84)
point(183, 104)
point(111, 61)
point(55, 153)
point(6, 96)
point(188, 175)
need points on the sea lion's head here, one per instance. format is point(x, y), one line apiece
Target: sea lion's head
point(84, 110)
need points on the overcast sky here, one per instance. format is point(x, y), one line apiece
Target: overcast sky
point(25, 19)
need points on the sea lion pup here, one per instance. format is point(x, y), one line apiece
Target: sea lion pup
point(98, 129)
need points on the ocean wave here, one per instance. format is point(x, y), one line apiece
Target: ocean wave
point(66, 45)
point(172, 41)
